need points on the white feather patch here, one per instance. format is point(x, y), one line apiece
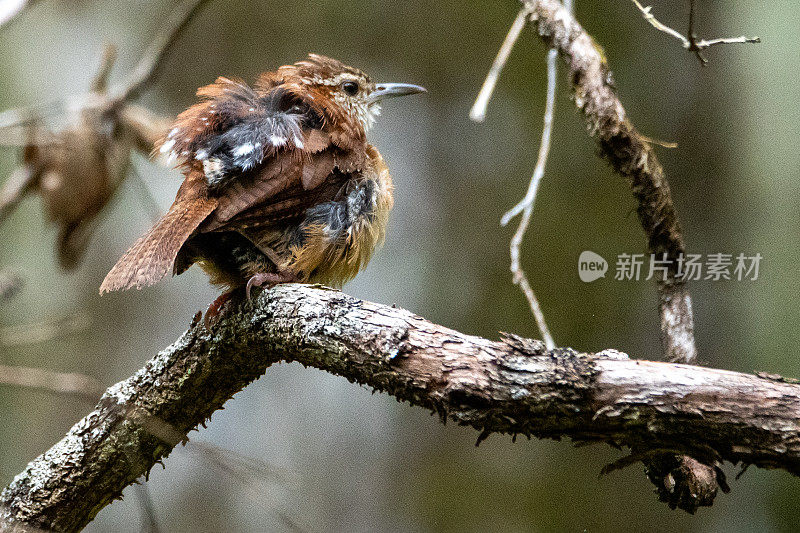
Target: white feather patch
point(244, 149)
point(277, 140)
point(167, 146)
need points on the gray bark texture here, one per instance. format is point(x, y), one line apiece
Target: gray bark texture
point(512, 386)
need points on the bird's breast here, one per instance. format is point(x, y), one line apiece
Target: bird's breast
point(337, 238)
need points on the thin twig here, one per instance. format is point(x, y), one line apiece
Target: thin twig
point(525, 207)
point(10, 9)
point(702, 45)
point(690, 42)
point(516, 241)
point(478, 111)
point(148, 67)
point(80, 385)
point(649, 17)
point(43, 331)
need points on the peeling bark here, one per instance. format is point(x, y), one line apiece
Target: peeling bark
point(512, 386)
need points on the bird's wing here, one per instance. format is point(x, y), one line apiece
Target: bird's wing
point(286, 186)
point(153, 255)
point(262, 151)
point(233, 129)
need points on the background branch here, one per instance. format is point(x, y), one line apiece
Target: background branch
point(690, 42)
point(512, 386)
point(631, 156)
point(524, 207)
point(10, 9)
point(149, 66)
point(527, 204)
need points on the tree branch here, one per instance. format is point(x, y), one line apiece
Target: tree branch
point(512, 386)
point(680, 481)
point(630, 155)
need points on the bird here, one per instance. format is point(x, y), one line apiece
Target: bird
point(280, 183)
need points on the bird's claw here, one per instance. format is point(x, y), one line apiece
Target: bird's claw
point(270, 279)
point(216, 308)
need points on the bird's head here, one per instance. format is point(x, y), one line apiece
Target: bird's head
point(347, 88)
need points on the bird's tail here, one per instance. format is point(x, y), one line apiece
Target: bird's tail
point(152, 257)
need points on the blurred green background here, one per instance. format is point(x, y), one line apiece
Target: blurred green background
point(352, 461)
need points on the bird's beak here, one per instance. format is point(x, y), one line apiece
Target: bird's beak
point(390, 90)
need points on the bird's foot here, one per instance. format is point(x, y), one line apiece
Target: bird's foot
point(270, 279)
point(217, 309)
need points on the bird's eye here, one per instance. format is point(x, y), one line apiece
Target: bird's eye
point(350, 87)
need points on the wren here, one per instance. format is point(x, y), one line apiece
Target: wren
point(280, 184)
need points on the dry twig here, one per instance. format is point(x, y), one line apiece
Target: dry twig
point(10, 9)
point(78, 170)
point(478, 114)
point(478, 111)
point(690, 42)
point(527, 204)
point(80, 385)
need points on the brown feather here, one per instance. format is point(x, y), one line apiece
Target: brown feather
point(277, 175)
point(317, 169)
point(289, 204)
point(152, 257)
point(317, 141)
